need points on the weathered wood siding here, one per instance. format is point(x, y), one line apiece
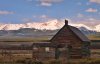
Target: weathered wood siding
point(66, 36)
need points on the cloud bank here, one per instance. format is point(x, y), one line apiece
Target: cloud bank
point(95, 1)
point(6, 12)
point(48, 2)
point(91, 10)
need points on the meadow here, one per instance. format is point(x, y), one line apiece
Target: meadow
point(25, 56)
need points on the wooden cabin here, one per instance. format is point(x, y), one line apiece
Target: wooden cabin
point(69, 42)
point(76, 42)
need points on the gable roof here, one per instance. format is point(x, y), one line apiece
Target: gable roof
point(76, 31)
point(79, 34)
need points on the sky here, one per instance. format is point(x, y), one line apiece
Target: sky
point(22, 11)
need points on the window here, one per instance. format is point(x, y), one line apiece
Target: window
point(47, 49)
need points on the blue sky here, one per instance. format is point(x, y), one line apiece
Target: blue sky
point(21, 11)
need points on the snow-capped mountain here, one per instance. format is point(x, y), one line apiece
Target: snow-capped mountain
point(82, 27)
point(97, 28)
point(49, 25)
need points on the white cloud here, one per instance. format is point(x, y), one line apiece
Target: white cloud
point(91, 10)
point(45, 2)
point(48, 2)
point(93, 21)
point(6, 12)
point(95, 1)
point(41, 16)
point(90, 21)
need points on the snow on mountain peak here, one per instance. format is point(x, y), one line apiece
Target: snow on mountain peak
point(49, 25)
point(97, 28)
point(81, 25)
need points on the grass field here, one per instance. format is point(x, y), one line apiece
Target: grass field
point(36, 39)
point(23, 39)
point(94, 37)
point(13, 58)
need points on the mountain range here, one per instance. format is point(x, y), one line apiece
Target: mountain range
point(49, 25)
point(42, 28)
